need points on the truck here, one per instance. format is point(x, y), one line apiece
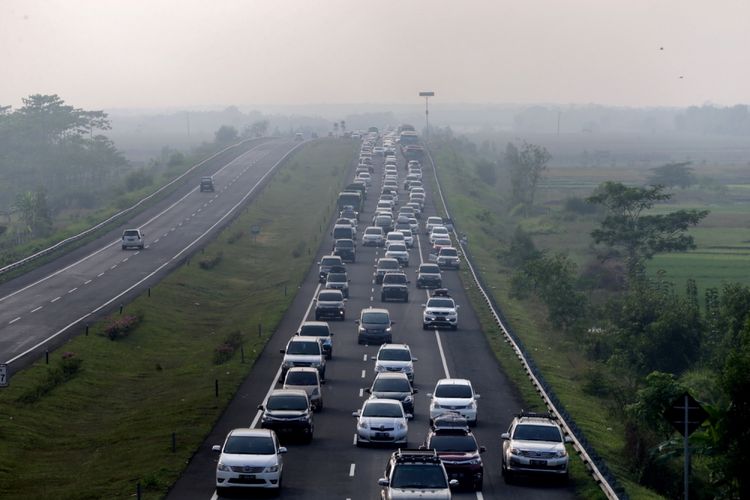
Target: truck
point(351, 198)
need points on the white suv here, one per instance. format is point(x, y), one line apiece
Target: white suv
point(305, 352)
point(454, 395)
point(395, 358)
point(250, 458)
point(440, 312)
point(534, 443)
point(132, 238)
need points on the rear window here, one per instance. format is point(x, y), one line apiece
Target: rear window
point(286, 402)
point(303, 348)
point(394, 355)
point(315, 330)
point(301, 378)
point(130, 232)
point(452, 391)
point(448, 252)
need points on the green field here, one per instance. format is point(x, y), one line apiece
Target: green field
point(110, 425)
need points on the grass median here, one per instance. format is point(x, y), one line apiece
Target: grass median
point(100, 417)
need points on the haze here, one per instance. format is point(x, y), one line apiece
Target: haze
point(174, 53)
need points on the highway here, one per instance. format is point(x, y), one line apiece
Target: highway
point(332, 467)
point(44, 307)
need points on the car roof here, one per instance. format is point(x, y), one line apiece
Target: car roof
point(316, 323)
point(288, 392)
point(304, 338)
point(307, 369)
point(248, 431)
point(454, 381)
point(375, 309)
point(395, 346)
point(382, 375)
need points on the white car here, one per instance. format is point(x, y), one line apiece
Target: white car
point(447, 258)
point(373, 237)
point(432, 222)
point(439, 232)
point(395, 358)
point(399, 252)
point(394, 237)
point(408, 236)
point(454, 395)
point(303, 351)
point(133, 238)
point(440, 312)
point(365, 176)
point(382, 421)
point(250, 458)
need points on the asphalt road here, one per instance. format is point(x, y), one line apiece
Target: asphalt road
point(41, 308)
point(332, 467)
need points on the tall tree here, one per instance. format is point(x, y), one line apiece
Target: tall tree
point(226, 134)
point(673, 174)
point(527, 165)
point(636, 236)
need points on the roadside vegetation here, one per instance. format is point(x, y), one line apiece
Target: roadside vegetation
point(611, 284)
point(100, 417)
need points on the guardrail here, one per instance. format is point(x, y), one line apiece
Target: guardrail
point(83, 234)
point(595, 464)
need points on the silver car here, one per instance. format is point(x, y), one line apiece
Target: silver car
point(308, 380)
point(382, 421)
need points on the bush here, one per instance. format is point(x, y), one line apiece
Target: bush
point(209, 262)
point(224, 351)
point(120, 327)
point(580, 206)
point(66, 369)
point(235, 237)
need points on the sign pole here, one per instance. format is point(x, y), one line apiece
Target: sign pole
point(686, 471)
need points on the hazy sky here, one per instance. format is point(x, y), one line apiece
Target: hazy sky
point(171, 53)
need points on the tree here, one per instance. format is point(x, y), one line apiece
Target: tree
point(636, 236)
point(35, 212)
point(673, 174)
point(226, 134)
point(257, 129)
point(342, 125)
point(486, 171)
point(335, 128)
point(527, 165)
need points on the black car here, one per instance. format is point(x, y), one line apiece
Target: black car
point(395, 287)
point(345, 249)
point(288, 411)
point(460, 454)
point(394, 385)
point(330, 304)
point(429, 276)
point(207, 184)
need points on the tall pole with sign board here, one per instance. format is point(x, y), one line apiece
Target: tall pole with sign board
point(3, 375)
point(686, 415)
point(427, 96)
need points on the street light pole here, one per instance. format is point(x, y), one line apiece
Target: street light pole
point(427, 96)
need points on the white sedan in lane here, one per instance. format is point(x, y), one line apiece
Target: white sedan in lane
point(250, 458)
point(399, 252)
point(382, 421)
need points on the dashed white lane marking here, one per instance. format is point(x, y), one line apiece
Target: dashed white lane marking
point(363, 374)
point(165, 235)
point(14, 320)
point(442, 354)
point(55, 300)
point(125, 259)
point(36, 309)
point(136, 253)
point(100, 275)
point(354, 441)
point(361, 392)
point(87, 282)
point(172, 230)
point(72, 290)
point(180, 224)
point(192, 215)
point(479, 495)
point(114, 266)
point(156, 240)
point(352, 467)
point(364, 358)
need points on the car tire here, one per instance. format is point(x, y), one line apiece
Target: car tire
point(454, 327)
point(425, 326)
point(478, 484)
point(406, 299)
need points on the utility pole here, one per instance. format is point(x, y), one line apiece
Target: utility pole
point(427, 96)
point(558, 123)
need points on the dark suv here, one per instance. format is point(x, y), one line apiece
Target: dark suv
point(395, 287)
point(346, 249)
point(330, 304)
point(207, 184)
point(374, 326)
point(429, 276)
point(459, 452)
point(288, 411)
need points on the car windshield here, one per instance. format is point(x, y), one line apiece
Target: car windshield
point(394, 355)
point(388, 264)
point(337, 277)
point(391, 385)
point(329, 261)
point(397, 247)
point(442, 303)
point(530, 432)
point(439, 230)
point(453, 391)
point(448, 252)
point(395, 237)
point(452, 442)
point(344, 244)
point(434, 220)
point(315, 330)
point(418, 476)
point(374, 230)
point(306, 348)
point(286, 402)
point(394, 279)
point(376, 409)
point(301, 378)
point(249, 445)
point(375, 317)
point(329, 297)
point(429, 269)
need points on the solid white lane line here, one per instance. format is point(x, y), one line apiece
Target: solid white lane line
point(14, 320)
point(125, 259)
point(351, 470)
point(55, 300)
point(36, 309)
point(442, 354)
point(479, 495)
point(72, 290)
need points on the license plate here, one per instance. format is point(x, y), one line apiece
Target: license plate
point(381, 434)
point(247, 476)
point(538, 462)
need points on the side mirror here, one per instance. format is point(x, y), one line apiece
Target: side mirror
point(414, 391)
point(355, 414)
point(505, 435)
point(368, 390)
point(477, 396)
point(331, 334)
point(429, 394)
point(409, 416)
point(457, 306)
point(216, 447)
point(393, 322)
point(453, 483)
point(323, 382)
point(383, 481)
point(282, 449)
point(356, 321)
point(482, 449)
point(282, 351)
point(568, 439)
point(261, 408)
point(415, 359)
point(373, 358)
point(424, 305)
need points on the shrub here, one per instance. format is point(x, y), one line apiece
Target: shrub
point(235, 237)
point(580, 206)
point(120, 327)
point(211, 261)
point(224, 351)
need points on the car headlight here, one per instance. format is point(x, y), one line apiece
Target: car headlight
point(475, 461)
point(363, 424)
point(408, 399)
point(436, 405)
point(273, 468)
point(401, 425)
point(379, 368)
point(388, 330)
point(315, 364)
point(287, 364)
point(515, 451)
point(224, 468)
point(362, 329)
point(472, 405)
point(561, 453)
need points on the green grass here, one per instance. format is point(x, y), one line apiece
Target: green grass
point(110, 426)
